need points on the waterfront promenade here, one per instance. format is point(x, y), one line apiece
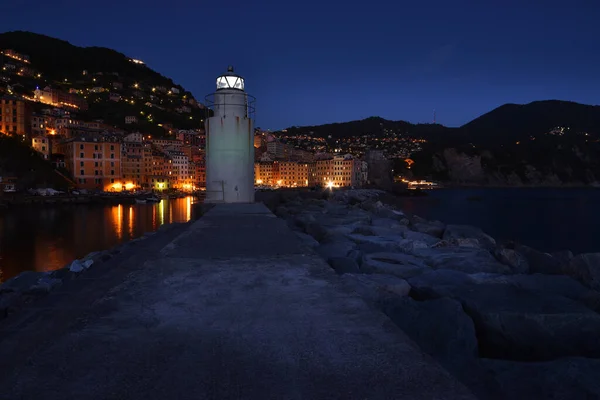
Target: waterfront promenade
point(231, 306)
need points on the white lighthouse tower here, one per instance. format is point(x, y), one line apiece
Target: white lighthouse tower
point(230, 142)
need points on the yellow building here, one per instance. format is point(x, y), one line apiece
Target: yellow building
point(41, 144)
point(264, 173)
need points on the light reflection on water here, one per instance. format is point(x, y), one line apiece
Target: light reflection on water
point(43, 238)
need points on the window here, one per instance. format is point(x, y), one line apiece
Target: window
point(112, 171)
point(81, 163)
point(80, 155)
point(112, 156)
point(43, 148)
point(112, 181)
point(96, 164)
point(80, 147)
point(82, 172)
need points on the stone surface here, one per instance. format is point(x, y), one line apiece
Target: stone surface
point(442, 329)
point(398, 264)
point(515, 260)
point(434, 228)
point(586, 269)
point(515, 323)
point(469, 232)
point(343, 265)
point(464, 259)
point(307, 239)
point(22, 282)
point(539, 262)
point(232, 308)
point(376, 288)
point(563, 379)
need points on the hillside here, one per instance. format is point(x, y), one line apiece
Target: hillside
point(95, 73)
point(18, 160)
point(375, 126)
point(513, 122)
point(541, 143)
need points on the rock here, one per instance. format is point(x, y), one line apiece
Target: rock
point(421, 237)
point(63, 274)
point(45, 284)
point(586, 269)
point(398, 264)
point(469, 232)
point(515, 260)
point(515, 323)
point(335, 249)
point(344, 265)
point(434, 228)
point(11, 302)
point(368, 230)
point(23, 282)
point(381, 242)
point(375, 288)
point(464, 259)
point(388, 223)
point(542, 263)
point(442, 329)
point(307, 240)
point(562, 379)
point(80, 265)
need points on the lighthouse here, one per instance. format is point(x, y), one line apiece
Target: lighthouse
point(230, 142)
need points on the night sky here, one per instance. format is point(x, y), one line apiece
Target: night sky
point(312, 62)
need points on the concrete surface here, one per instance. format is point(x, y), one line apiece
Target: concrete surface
point(233, 307)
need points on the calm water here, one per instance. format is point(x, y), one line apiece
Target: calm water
point(43, 238)
point(546, 219)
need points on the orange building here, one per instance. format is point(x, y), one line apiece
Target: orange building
point(15, 117)
point(94, 161)
point(264, 173)
point(290, 174)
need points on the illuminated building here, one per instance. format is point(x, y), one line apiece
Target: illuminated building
point(58, 98)
point(94, 161)
point(42, 144)
point(264, 174)
point(15, 117)
point(291, 174)
point(230, 142)
point(133, 162)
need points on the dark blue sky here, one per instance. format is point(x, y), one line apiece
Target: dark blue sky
point(312, 62)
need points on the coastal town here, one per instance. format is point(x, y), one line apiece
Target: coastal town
point(141, 152)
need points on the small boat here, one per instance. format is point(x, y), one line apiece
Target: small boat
point(140, 201)
point(152, 199)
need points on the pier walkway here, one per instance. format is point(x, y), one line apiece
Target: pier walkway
point(232, 306)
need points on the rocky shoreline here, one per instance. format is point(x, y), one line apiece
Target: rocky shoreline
point(507, 320)
point(30, 286)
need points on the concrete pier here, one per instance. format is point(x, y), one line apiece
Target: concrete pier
point(231, 307)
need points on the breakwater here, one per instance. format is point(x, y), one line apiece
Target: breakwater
point(504, 318)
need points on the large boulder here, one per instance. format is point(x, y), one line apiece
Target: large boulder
point(464, 259)
point(383, 242)
point(307, 240)
point(398, 264)
point(515, 323)
point(442, 329)
point(563, 379)
point(376, 288)
point(344, 265)
point(335, 249)
point(389, 222)
point(515, 260)
point(23, 283)
point(586, 269)
point(434, 228)
point(539, 262)
point(421, 237)
point(469, 232)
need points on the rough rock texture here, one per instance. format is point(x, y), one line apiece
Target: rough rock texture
point(443, 330)
point(515, 323)
point(469, 232)
point(465, 259)
point(398, 264)
point(343, 265)
point(375, 288)
point(515, 260)
point(586, 268)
